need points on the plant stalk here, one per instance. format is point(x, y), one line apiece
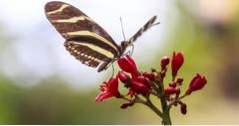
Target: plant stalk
point(166, 120)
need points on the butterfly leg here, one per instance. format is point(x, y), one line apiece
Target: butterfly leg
point(127, 53)
point(104, 65)
point(132, 50)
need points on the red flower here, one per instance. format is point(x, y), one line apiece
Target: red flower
point(197, 83)
point(149, 75)
point(177, 62)
point(108, 89)
point(127, 64)
point(139, 85)
point(164, 62)
point(125, 78)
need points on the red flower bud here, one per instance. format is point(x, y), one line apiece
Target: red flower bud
point(164, 62)
point(177, 62)
point(142, 80)
point(179, 81)
point(123, 76)
point(172, 84)
point(127, 64)
point(140, 85)
point(197, 83)
point(126, 105)
point(183, 108)
point(172, 90)
point(139, 88)
point(108, 89)
point(149, 75)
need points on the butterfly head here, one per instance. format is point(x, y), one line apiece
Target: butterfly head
point(124, 45)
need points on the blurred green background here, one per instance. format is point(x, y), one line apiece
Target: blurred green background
point(40, 83)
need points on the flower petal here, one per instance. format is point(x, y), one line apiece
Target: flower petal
point(102, 96)
point(108, 89)
point(128, 65)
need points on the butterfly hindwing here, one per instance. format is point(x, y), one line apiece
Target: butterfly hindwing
point(84, 54)
point(85, 39)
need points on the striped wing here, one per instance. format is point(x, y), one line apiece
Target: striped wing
point(85, 39)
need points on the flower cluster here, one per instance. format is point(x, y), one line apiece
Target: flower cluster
point(173, 91)
point(135, 81)
point(142, 85)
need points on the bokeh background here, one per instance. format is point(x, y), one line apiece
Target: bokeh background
point(41, 83)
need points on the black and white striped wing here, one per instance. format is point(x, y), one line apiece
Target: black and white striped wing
point(85, 39)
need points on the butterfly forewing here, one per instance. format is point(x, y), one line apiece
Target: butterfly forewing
point(85, 39)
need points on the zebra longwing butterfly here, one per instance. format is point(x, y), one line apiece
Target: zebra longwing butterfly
point(85, 39)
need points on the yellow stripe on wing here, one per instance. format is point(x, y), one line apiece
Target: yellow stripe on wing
point(72, 20)
point(96, 49)
point(92, 34)
point(58, 10)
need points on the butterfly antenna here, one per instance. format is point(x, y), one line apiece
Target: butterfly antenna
point(122, 28)
point(132, 50)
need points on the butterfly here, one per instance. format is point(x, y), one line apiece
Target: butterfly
point(85, 39)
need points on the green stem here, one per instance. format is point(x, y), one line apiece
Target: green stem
point(165, 115)
point(147, 103)
point(153, 107)
point(166, 120)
